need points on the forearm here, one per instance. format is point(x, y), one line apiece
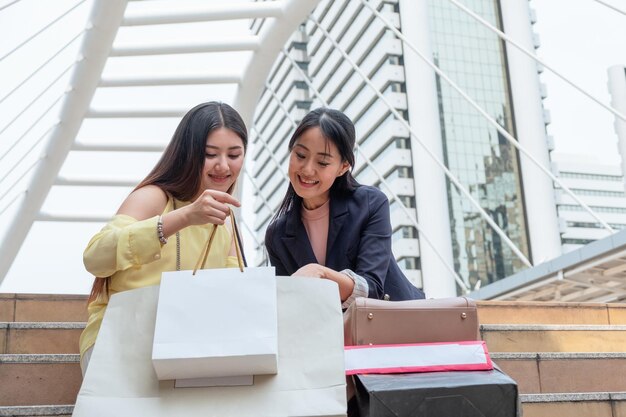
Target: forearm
point(174, 221)
point(345, 283)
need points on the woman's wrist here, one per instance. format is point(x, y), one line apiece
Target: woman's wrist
point(173, 221)
point(160, 233)
point(345, 283)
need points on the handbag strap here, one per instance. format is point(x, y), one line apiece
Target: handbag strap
point(177, 239)
point(205, 253)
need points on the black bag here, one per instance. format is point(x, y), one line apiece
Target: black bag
point(438, 394)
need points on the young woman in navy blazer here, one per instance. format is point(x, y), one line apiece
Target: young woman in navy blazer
point(354, 249)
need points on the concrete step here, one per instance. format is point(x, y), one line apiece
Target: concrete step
point(39, 379)
point(41, 410)
point(43, 307)
point(34, 338)
point(527, 312)
point(553, 338)
point(542, 373)
point(596, 404)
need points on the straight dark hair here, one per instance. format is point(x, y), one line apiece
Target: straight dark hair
point(337, 128)
point(179, 169)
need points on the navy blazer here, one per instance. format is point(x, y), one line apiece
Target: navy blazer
point(359, 239)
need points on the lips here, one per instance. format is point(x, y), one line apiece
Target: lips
point(306, 182)
point(219, 178)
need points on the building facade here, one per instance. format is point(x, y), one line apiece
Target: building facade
point(414, 122)
point(600, 186)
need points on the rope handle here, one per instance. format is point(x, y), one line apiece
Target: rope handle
point(205, 253)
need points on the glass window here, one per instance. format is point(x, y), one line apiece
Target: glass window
point(481, 158)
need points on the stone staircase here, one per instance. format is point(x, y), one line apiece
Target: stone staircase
point(568, 359)
point(39, 370)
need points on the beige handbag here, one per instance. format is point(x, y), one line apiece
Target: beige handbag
point(378, 322)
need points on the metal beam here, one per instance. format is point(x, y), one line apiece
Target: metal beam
point(97, 182)
point(273, 38)
point(105, 19)
point(74, 218)
point(243, 43)
point(616, 269)
point(135, 113)
point(152, 80)
point(117, 147)
point(252, 10)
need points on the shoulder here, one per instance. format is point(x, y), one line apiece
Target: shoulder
point(275, 230)
point(370, 195)
point(279, 224)
point(144, 202)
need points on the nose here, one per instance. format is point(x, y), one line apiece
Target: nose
point(308, 167)
point(221, 164)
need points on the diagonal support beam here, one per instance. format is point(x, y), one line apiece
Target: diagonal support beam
point(273, 37)
point(105, 20)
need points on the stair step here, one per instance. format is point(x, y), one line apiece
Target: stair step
point(43, 307)
point(553, 338)
point(541, 373)
point(39, 337)
point(537, 312)
point(39, 379)
point(596, 404)
point(37, 410)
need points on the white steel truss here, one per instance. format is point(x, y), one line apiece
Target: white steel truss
point(594, 279)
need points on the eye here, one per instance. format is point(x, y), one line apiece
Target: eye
point(323, 164)
point(210, 155)
point(234, 156)
point(299, 155)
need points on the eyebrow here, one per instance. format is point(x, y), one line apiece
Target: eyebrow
point(230, 148)
point(319, 153)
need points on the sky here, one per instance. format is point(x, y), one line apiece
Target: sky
point(579, 38)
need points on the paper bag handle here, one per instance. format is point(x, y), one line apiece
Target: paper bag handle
point(205, 252)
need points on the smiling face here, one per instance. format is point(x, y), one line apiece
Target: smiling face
point(314, 165)
point(224, 155)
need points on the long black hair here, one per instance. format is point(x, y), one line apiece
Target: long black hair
point(179, 170)
point(337, 128)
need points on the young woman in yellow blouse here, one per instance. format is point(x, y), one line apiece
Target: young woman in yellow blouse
point(165, 222)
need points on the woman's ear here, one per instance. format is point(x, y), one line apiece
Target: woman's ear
point(345, 166)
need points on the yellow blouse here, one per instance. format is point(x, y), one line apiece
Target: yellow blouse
point(129, 251)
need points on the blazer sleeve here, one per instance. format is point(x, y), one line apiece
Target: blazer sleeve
point(374, 249)
point(272, 250)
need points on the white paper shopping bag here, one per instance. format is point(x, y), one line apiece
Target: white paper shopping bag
point(218, 323)
point(121, 381)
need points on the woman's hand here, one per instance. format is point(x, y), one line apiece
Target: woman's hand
point(211, 207)
point(345, 283)
point(311, 270)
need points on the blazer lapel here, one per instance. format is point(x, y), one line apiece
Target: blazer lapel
point(338, 216)
point(296, 239)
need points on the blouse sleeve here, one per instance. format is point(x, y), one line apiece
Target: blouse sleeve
point(122, 244)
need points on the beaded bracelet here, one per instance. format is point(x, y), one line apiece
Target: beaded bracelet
point(160, 234)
